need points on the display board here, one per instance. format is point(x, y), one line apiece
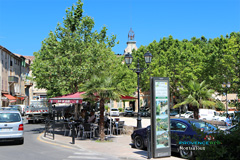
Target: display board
point(160, 118)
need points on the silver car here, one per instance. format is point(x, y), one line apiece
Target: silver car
point(11, 126)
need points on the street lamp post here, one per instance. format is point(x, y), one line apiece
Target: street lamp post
point(224, 85)
point(128, 60)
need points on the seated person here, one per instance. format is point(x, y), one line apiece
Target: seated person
point(92, 117)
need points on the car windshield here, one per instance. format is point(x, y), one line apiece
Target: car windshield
point(128, 109)
point(203, 126)
point(114, 109)
point(10, 108)
point(15, 107)
point(9, 117)
point(174, 112)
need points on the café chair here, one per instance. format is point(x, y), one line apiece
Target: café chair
point(87, 130)
point(80, 130)
point(118, 127)
point(67, 128)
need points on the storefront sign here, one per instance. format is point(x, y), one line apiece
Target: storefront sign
point(65, 101)
point(160, 119)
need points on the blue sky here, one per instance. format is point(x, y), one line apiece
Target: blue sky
point(25, 23)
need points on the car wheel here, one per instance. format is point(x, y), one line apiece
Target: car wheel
point(185, 153)
point(20, 142)
point(138, 142)
point(30, 121)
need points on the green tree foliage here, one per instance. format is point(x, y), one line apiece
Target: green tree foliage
point(219, 106)
point(112, 81)
point(70, 55)
point(103, 86)
point(197, 95)
point(214, 61)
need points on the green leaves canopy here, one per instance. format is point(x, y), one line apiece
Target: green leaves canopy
point(71, 54)
point(214, 61)
point(196, 95)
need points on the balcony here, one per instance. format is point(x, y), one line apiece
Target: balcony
point(12, 79)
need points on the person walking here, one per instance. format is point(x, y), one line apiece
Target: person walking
point(228, 121)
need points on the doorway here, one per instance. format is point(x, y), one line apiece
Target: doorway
point(132, 104)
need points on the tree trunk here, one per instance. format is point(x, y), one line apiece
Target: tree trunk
point(75, 111)
point(101, 124)
point(195, 112)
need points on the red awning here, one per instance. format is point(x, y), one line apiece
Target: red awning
point(21, 98)
point(127, 98)
point(123, 97)
point(10, 97)
point(69, 98)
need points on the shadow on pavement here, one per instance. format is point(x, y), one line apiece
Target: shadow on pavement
point(9, 143)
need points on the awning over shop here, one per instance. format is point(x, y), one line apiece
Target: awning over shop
point(78, 98)
point(21, 98)
point(69, 98)
point(124, 97)
point(127, 98)
point(10, 98)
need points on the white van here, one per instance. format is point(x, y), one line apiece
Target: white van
point(207, 114)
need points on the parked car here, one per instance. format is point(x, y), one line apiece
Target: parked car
point(7, 108)
point(128, 111)
point(181, 129)
point(11, 126)
point(188, 114)
point(114, 112)
point(12, 108)
point(144, 113)
point(173, 113)
point(21, 108)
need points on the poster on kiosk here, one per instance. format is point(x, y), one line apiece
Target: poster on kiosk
point(160, 118)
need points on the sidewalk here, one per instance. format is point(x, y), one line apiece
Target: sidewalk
point(117, 146)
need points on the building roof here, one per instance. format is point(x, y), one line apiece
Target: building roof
point(9, 52)
point(29, 57)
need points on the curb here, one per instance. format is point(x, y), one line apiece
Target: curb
point(74, 146)
point(54, 142)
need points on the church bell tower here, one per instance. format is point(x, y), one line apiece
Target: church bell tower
point(131, 43)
